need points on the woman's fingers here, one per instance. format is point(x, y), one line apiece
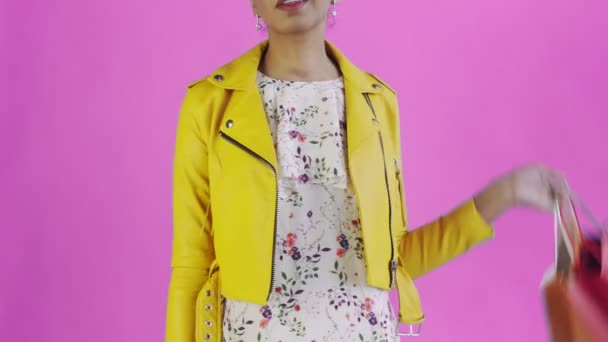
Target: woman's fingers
point(559, 185)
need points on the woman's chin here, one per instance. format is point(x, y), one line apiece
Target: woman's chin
point(297, 26)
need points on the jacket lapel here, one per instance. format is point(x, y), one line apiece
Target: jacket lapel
point(249, 124)
point(244, 118)
point(359, 121)
point(359, 116)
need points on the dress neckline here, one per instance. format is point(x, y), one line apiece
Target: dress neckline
point(263, 76)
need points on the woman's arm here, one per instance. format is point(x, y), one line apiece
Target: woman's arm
point(192, 242)
point(438, 242)
point(424, 249)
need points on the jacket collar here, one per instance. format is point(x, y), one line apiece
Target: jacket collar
point(240, 74)
point(245, 122)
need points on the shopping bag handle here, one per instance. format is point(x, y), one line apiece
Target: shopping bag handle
point(596, 223)
point(568, 235)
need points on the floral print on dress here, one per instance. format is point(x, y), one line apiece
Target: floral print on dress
point(320, 292)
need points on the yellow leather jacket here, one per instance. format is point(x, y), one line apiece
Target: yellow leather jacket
point(225, 199)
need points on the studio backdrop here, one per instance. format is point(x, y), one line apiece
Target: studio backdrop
point(90, 94)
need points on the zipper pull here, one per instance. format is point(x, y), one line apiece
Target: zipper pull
point(393, 267)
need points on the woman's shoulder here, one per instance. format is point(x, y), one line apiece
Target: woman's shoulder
point(202, 93)
point(199, 82)
point(236, 74)
point(382, 82)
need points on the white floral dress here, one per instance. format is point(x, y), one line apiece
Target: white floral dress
point(320, 291)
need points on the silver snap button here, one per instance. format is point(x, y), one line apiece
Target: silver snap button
point(207, 336)
point(376, 86)
point(218, 78)
point(208, 307)
point(375, 121)
point(229, 123)
point(208, 323)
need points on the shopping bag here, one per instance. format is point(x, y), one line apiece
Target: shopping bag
point(576, 288)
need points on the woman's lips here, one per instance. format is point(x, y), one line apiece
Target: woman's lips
point(290, 5)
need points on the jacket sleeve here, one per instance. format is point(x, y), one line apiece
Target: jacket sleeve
point(192, 246)
point(436, 243)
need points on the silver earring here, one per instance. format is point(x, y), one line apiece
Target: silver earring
point(258, 26)
point(334, 13)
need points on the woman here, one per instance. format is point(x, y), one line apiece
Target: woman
point(289, 215)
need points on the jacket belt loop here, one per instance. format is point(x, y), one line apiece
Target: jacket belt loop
point(412, 332)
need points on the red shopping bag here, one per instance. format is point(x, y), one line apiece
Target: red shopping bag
point(593, 271)
point(576, 293)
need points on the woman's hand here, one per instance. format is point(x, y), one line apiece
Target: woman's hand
point(534, 186)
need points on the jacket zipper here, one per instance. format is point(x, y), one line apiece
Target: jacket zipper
point(392, 265)
point(398, 175)
point(276, 211)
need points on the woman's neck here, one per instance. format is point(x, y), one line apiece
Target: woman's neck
point(298, 58)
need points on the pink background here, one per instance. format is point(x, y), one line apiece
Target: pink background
point(89, 110)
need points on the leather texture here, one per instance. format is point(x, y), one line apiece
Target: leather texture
point(224, 198)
